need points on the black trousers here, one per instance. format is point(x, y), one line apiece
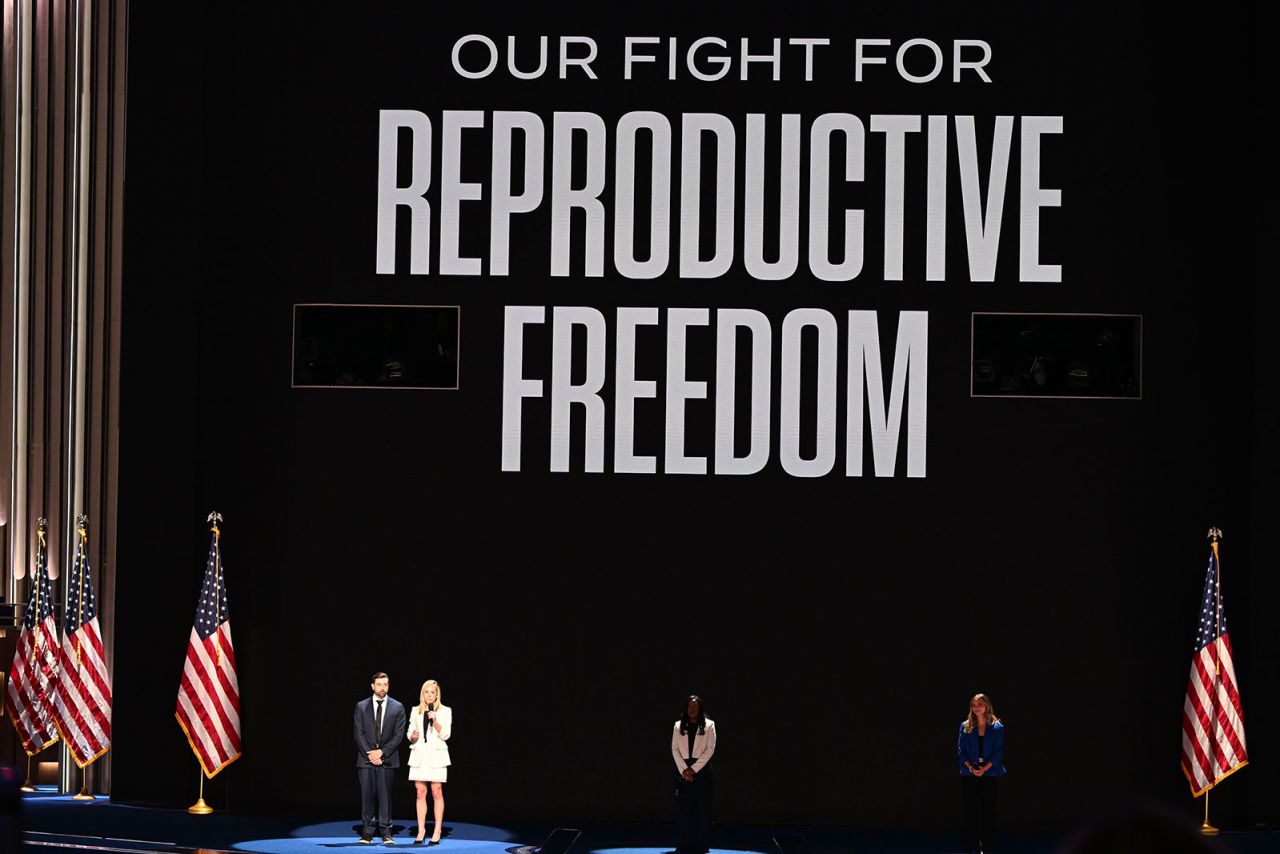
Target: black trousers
point(693, 812)
point(375, 799)
point(980, 796)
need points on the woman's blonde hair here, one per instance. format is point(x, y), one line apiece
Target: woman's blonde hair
point(422, 704)
point(972, 720)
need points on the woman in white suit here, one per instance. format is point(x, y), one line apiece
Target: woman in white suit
point(693, 743)
point(430, 724)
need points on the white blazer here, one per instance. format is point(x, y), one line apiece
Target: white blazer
point(432, 748)
point(704, 745)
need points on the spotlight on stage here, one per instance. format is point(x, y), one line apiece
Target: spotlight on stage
point(791, 843)
point(559, 841)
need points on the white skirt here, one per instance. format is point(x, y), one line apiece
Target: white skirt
point(429, 775)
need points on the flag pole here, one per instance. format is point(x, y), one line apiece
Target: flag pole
point(1206, 828)
point(1215, 535)
point(85, 794)
point(28, 786)
point(200, 807)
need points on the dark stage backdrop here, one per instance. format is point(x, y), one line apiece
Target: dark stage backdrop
point(1049, 552)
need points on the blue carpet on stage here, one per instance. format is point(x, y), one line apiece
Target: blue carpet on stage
point(317, 838)
point(57, 824)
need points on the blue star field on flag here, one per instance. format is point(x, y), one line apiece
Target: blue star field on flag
point(81, 604)
point(1212, 612)
point(211, 611)
point(40, 599)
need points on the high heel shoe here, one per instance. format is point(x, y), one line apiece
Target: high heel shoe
point(418, 839)
point(435, 840)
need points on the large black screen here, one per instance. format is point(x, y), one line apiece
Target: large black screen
point(715, 427)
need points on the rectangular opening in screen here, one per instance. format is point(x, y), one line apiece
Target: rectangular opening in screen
point(375, 346)
point(1056, 355)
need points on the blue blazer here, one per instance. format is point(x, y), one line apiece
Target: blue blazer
point(393, 727)
point(993, 749)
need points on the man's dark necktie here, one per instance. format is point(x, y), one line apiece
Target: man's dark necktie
point(377, 724)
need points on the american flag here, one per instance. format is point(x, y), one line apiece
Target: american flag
point(209, 696)
point(1212, 718)
point(82, 702)
point(34, 674)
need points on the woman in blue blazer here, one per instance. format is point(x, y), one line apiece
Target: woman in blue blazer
point(980, 752)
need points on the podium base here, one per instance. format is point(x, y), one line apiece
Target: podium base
point(201, 808)
point(1207, 829)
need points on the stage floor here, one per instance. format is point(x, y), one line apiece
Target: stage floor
point(54, 824)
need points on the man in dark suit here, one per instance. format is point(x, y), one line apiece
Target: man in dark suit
point(379, 728)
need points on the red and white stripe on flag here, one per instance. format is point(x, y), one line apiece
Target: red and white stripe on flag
point(209, 699)
point(82, 702)
point(32, 681)
point(1213, 744)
